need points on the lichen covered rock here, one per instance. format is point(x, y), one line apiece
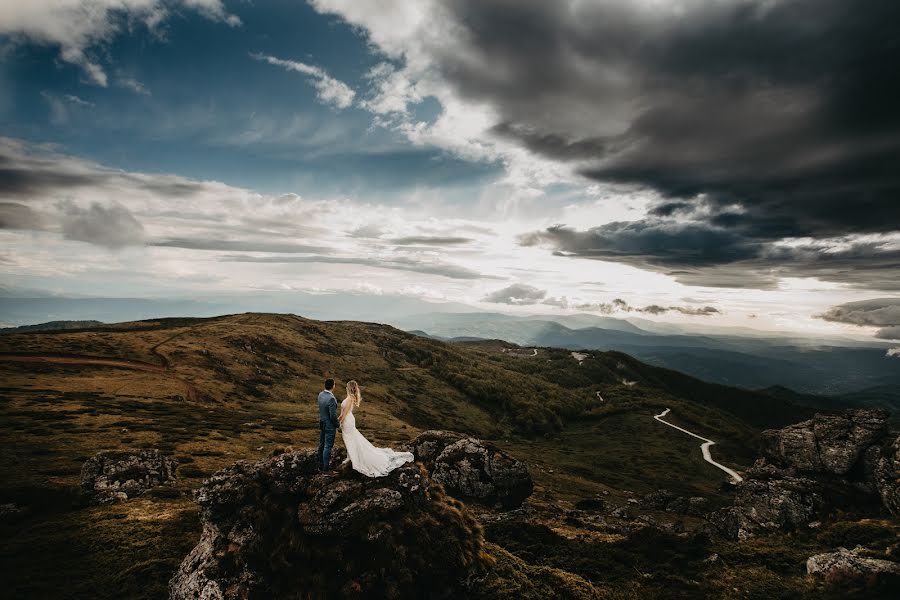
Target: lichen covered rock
point(473, 469)
point(428, 445)
point(116, 476)
point(279, 529)
point(830, 444)
point(886, 473)
point(769, 505)
point(853, 567)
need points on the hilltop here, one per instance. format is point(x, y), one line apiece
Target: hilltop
point(212, 391)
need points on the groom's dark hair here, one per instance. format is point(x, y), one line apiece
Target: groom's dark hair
point(329, 383)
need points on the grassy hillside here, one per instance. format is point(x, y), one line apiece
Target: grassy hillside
point(212, 391)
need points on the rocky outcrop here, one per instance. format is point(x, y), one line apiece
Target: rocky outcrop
point(830, 444)
point(116, 476)
point(472, 469)
point(766, 505)
point(809, 466)
point(429, 445)
point(886, 474)
point(853, 567)
point(278, 529)
point(663, 499)
point(806, 465)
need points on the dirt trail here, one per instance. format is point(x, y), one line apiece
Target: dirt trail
point(704, 447)
point(99, 361)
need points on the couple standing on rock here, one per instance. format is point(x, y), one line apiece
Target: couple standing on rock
point(364, 457)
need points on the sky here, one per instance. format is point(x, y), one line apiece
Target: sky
point(724, 162)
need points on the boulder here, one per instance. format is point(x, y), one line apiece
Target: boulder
point(831, 444)
point(663, 499)
point(852, 567)
point(472, 469)
point(886, 473)
point(277, 528)
point(428, 445)
point(658, 500)
point(114, 476)
point(762, 506)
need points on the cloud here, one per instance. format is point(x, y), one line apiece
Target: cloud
point(883, 313)
point(31, 171)
point(517, 293)
point(399, 263)
point(328, 89)
point(19, 216)
point(770, 138)
point(697, 252)
point(78, 27)
point(655, 309)
point(523, 294)
point(238, 246)
point(430, 240)
point(134, 85)
point(730, 100)
point(62, 106)
point(83, 201)
point(111, 226)
point(391, 91)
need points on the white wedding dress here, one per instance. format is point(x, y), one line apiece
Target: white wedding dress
point(366, 458)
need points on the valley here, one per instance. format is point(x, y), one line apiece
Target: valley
point(826, 367)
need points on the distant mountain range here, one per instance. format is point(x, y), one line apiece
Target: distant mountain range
point(734, 356)
point(50, 326)
point(747, 359)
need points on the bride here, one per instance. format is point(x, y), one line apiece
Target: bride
point(365, 458)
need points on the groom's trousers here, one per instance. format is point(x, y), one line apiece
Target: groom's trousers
point(326, 443)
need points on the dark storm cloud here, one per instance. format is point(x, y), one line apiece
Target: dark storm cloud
point(789, 107)
point(670, 243)
point(877, 312)
point(399, 263)
point(702, 253)
point(763, 120)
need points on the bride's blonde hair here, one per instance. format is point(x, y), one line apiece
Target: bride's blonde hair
point(353, 393)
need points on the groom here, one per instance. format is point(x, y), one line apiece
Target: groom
point(328, 424)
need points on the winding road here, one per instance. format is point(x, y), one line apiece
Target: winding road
point(704, 447)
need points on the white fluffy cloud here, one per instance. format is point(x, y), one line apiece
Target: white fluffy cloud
point(518, 293)
point(78, 27)
point(329, 90)
point(185, 236)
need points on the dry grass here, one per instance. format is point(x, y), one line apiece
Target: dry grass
point(257, 377)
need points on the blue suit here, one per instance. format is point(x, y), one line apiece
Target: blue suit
point(328, 426)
